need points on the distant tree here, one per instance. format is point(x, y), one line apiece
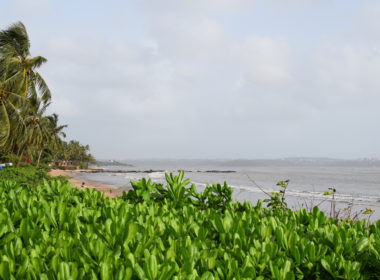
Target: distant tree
point(75, 153)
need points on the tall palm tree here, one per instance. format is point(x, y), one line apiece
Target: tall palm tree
point(19, 79)
point(38, 133)
point(36, 128)
point(53, 138)
point(10, 103)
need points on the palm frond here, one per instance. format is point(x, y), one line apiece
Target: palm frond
point(43, 88)
point(5, 127)
point(36, 62)
point(16, 100)
point(15, 40)
point(15, 83)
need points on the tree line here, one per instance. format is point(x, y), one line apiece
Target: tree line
point(27, 132)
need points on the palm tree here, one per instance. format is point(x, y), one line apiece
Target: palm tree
point(40, 131)
point(10, 103)
point(18, 77)
point(38, 134)
point(53, 137)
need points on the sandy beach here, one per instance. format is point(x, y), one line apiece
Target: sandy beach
point(107, 190)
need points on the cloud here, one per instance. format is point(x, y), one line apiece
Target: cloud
point(188, 38)
point(368, 15)
point(196, 6)
point(128, 79)
point(258, 87)
point(213, 79)
point(348, 73)
point(30, 8)
point(263, 60)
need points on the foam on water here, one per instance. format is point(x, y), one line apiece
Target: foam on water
point(157, 175)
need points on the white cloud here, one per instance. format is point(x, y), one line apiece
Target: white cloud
point(128, 79)
point(369, 14)
point(196, 6)
point(30, 8)
point(65, 106)
point(263, 60)
point(193, 78)
point(188, 39)
point(348, 73)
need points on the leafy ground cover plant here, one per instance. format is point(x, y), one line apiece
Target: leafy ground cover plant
point(180, 191)
point(25, 176)
point(54, 231)
point(214, 196)
point(277, 199)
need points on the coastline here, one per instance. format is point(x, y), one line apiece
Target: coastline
point(107, 190)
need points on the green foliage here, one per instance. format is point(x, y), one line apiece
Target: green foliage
point(176, 188)
point(22, 88)
point(215, 196)
point(54, 231)
point(277, 199)
point(24, 176)
point(163, 240)
point(26, 131)
point(178, 191)
point(368, 211)
point(75, 153)
point(142, 191)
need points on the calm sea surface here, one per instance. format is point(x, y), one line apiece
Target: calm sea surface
point(358, 186)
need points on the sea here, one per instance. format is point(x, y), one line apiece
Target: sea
point(357, 182)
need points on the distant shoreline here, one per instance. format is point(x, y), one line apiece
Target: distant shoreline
point(101, 170)
point(106, 189)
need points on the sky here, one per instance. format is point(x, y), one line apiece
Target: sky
point(204, 79)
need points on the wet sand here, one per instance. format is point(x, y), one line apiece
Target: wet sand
point(107, 190)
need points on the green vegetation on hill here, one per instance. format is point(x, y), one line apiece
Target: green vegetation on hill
point(54, 231)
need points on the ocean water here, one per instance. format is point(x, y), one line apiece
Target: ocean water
point(357, 182)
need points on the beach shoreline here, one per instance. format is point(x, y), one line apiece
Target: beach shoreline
point(107, 190)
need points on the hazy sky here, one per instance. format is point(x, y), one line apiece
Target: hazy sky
point(211, 78)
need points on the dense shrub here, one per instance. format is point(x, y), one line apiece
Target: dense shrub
point(24, 176)
point(54, 231)
point(180, 191)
